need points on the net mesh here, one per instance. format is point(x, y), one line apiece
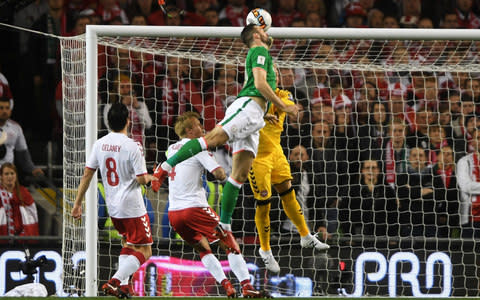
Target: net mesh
point(396, 111)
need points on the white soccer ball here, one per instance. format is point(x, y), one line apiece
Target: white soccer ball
point(260, 17)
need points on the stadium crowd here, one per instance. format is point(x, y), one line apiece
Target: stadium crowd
point(378, 149)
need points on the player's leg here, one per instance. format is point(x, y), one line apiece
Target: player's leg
point(260, 182)
point(234, 122)
point(197, 226)
point(212, 264)
point(282, 182)
point(137, 249)
point(291, 206)
point(242, 161)
point(239, 268)
point(294, 212)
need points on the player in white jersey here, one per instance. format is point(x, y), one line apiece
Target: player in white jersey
point(191, 216)
point(123, 169)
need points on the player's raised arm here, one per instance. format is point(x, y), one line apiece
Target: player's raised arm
point(261, 84)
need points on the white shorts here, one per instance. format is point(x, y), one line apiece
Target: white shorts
point(242, 123)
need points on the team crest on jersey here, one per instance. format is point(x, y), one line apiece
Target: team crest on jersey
point(264, 193)
point(261, 60)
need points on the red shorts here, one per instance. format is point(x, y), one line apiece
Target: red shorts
point(135, 230)
point(194, 222)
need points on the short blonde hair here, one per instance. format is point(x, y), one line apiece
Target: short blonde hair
point(184, 121)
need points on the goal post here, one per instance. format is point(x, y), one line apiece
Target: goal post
point(156, 44)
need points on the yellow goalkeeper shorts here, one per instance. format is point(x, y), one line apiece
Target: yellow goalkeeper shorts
point(266, 170)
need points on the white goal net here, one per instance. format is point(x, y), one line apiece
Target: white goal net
point(383, 122)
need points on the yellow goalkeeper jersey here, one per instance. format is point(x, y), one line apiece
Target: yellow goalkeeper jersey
point(270, 134)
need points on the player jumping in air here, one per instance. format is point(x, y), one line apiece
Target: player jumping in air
point(242, 122)
point(191, 216)
point(271, 167)
point(123, 170)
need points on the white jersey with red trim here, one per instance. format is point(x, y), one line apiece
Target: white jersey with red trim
point(120, 161)
point(185, 180)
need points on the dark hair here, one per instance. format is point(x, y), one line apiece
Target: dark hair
point(117, 116)
point(247, 34)
point(4, 98)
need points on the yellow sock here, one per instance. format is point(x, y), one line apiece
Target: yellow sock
point(294, 211)
point(262, 220)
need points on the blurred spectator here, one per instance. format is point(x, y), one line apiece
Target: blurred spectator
point(399, 107)
point(18, 212)
point(355, 15)
point(318, 6)
point(412, 8)
point(138, 20)
point(286, 13)
point(465, 144)
point(424, 118)
point(25, 18)
point(44, 60)
point(373, 135)
point(395, 152)
point(197, 16)
point(449, 20)
point(224, 91)
point(467, 107)
point(287, 82)
point(13, 145)
point(328, 188)
point(471, 87)
point(313, 19)
point(390, 22)
point(297, 131)
point(140, 119)
point(211, 17)
point(108, 10)
point(141, 8)
point(422, 197)
point(438, 139)
point(301, 170)
point(236, 12)
point(174, 17)
point(80, 25)
point(465, 16)
point(345, 137)
point(446, 169)
point(425, 23)
point(468, 179)
point(371, 206)
point(375, 18)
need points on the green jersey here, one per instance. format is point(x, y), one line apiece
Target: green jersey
point(258, 57)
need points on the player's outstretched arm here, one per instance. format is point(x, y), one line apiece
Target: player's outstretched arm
point(261, 84)
point(146, 178)
point(82, 189)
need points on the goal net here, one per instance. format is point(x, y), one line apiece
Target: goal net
point(383, 121)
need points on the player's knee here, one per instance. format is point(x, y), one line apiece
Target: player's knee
point(146, 251)
point(216, 138)
point(286, 192)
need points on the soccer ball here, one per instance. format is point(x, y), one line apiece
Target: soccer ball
point(260, 17)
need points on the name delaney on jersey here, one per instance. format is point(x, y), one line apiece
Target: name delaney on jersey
point(110, 148)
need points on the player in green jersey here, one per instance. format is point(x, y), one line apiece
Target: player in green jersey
point(242, 123)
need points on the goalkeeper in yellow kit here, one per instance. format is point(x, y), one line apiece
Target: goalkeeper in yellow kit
point(271, 167)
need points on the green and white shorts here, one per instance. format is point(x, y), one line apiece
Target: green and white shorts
point(242, 123)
